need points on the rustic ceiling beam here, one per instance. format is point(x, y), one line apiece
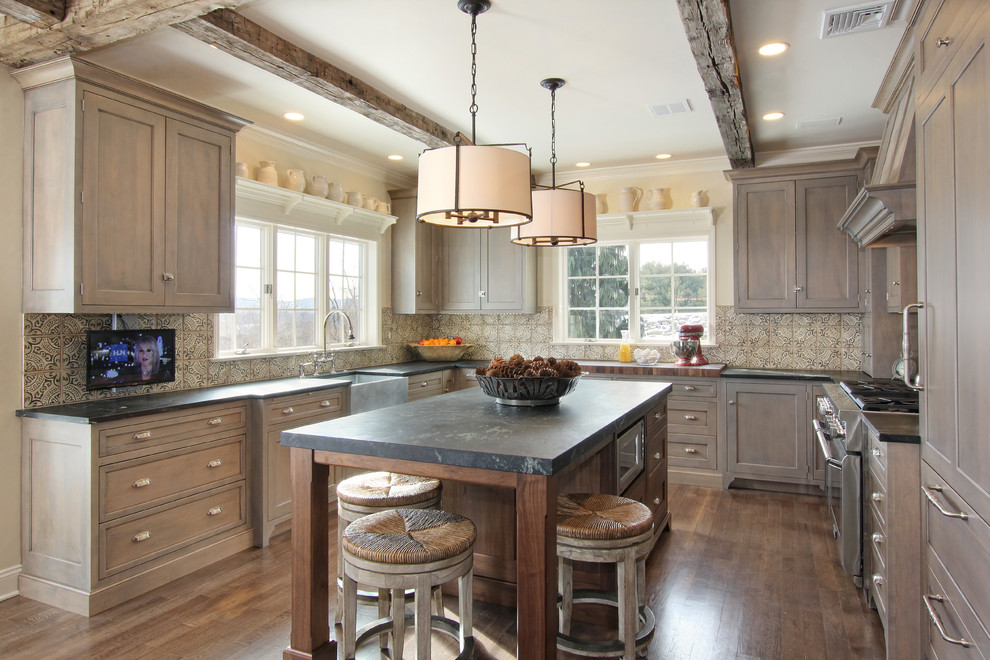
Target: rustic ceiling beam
point(250, 42)
point(709, 32)
point(40, 13)
point(90, 24)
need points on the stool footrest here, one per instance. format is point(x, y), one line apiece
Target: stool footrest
point(612, 648)
point(438, 623)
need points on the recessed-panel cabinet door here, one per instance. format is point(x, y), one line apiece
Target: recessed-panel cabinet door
point(827, 259)
point(461, 269)
point(767, 429)
point(506, 269)
point(765, 246)
point(198, 218)
point(123, 227)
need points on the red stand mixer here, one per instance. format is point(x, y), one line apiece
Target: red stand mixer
point(687, 347)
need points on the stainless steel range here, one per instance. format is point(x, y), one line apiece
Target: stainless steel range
point(841, 437)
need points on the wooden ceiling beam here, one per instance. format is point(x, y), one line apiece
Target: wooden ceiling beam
point(709, 31)
point(40, 13)
point(90, 24)
point(250, 42)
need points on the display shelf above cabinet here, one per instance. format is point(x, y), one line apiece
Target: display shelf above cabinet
point(700, 217)
point(302, 210)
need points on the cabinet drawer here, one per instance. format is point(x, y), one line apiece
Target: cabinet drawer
point(307, 405)
point(876, 495)
point(878, 589)
point(656, 419)
point(877, 541)
point(165, 430)
point(656, 491)
point(694, 390)
point(140, 539)
point(133, 484)
point(958, 620)
point(656, 449)
point(941, 32)
point(692, 417)
point(878, 458)
point(426, 385)
point(697, 451)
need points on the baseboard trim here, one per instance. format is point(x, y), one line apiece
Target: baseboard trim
point(8, 582)
point(707, 479)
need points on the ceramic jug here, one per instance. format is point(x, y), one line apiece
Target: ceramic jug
point(699, 199)
point(295, 180)
point(657, 198)
point(336, 192)
point(369, 203)
point(355, 198)
point(629, 199)
point(240, 169)
point(268, 173)
point(384, 207)
point(318, 185)
point(601, 206)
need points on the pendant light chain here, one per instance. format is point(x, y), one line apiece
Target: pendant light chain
point(553, 137)
point(474, 75)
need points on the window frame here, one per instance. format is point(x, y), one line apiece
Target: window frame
point(632, 230)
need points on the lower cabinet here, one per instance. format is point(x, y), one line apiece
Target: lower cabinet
point(422, 386)
point(271, 498)
point(112, 510)
point(692, 440)
point(768, 431)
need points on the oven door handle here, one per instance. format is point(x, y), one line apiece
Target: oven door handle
point(823, 444)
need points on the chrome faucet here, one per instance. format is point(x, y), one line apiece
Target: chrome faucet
point(347, 340)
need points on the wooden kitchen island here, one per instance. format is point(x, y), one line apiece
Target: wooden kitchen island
point(465, 437)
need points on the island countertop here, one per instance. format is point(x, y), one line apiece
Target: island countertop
point(469, 429)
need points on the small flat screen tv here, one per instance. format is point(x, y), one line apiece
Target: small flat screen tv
point(120, 358)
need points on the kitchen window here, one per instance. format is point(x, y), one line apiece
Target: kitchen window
point(286, 280)
point(647, 286)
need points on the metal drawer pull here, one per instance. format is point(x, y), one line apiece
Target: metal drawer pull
point(142, 536)
point(689, 388)
point(657, 415)
point(878, 538)
point(937, 620)
point(938, 44)
point(142, 435)
point(141, 483)
point(691, 418)
point(878, 580)
point(288, 411)
point(324, 404)
point(876, 452)
point(215, 511)
point(876, 497)
point(215, 420)
point(690, 450)
point(215, 463)
point(657, 456)
point(927, 490)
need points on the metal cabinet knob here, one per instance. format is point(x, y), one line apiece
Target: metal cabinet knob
point(878, 580)
point(732, 402)
point(419, 293)
point(798, 289)
point(482, 294)
point(876, 497)
point(656, 500)
point(167, 277)
point(895, 283)
point(875, 452)
point(878, 538)
point(939, 43)
point(423, 384)
point(657, 415)
point(657, 456)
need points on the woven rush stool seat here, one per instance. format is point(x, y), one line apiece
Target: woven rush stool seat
point(602, 528)
point(371, 492)
point(401, 549)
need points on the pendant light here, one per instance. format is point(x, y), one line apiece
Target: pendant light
point(470, 185)
point(561, 215)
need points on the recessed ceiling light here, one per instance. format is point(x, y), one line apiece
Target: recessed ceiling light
point(663, 156)
point(395, 157)
point(773, 48)
point(773, 116)
point(294, 116)
point(582, 164)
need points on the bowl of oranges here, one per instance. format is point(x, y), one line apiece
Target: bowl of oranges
point(440, 350)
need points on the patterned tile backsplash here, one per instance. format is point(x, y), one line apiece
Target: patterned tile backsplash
point(55, 367)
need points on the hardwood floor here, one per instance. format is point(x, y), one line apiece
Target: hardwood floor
point(743, 574)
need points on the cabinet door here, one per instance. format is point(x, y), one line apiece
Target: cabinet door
point(954, 243)
point(505, 271)
point(199, 218)
point(827, 259)
point(427, 293)
point(902, 277)
point(764, 228)
point(768, 429)
point(461, 269)
point(415, 255)
point(278, 489)
point(123, 212)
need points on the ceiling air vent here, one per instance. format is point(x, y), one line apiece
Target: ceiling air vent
point(669, 108)
point(856, 18)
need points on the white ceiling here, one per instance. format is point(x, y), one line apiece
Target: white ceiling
point(617, 56)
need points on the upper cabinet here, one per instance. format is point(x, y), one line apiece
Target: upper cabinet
point(789, 254)
point(457, 270)
point(128, 195)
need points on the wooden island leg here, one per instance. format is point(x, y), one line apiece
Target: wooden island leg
point(536, 566)
point(310, 634)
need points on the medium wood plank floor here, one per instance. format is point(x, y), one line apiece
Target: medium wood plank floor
point(742, 574)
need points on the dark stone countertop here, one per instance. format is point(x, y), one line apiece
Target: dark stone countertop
point(894, 427)
point(469, 429)
point(418, 367)
point(793, 374)
point(106, 410)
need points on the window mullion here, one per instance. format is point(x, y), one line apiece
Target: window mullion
point(633, 249)
point(322, 293)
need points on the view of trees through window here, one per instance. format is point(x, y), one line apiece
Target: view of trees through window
point(663, 284)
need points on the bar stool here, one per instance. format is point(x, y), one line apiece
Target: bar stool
point(409, 548)
point(372, 492)
point(601, 528)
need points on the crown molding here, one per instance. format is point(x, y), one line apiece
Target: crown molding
point(716, 164)
point(811, 154)
point(268, 136)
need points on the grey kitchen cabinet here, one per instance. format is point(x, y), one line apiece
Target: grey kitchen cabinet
point(768, 431)
point(692, 431)
point(482, 270)
point(128, 195)
point(902, 277)
point(433, 383)
point(881, 330)
point(953, 157)
point(415, 258)
point(789, 254)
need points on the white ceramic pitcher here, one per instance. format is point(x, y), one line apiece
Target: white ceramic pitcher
point(657, 198)
point(629, 199)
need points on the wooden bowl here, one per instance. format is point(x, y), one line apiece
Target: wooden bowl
point(448, 353)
